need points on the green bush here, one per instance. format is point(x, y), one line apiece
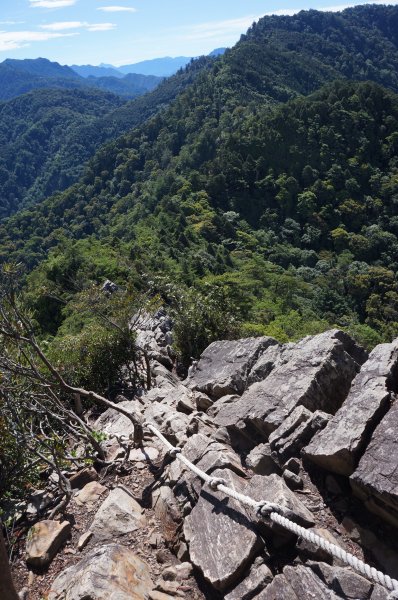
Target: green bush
point(93, 358)
point(201, 318)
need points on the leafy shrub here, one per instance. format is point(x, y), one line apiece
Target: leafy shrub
point(200, 318)
point(93, 358)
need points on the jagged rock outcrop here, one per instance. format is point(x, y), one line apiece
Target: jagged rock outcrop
point(298, 583)
point(317, 375)
point(268, 419)
point(339, 446)
point(295, 432)
point(224, 366)
point(375, 480)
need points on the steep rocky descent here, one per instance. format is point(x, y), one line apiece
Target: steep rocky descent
point(253, 429)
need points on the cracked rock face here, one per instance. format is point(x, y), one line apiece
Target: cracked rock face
point(339, 446)
point(222, 538)
point(109, 572)
point(224, 366)
point(317, 376)
point(376, 479)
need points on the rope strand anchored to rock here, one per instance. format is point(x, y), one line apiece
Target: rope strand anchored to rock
point(277, 514)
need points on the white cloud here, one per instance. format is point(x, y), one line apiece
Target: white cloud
point(65, 25)
point(51, 3)
point(11, 40)
point(117, 9)
point(101, 27)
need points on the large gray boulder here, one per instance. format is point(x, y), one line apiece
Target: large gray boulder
point(222, 538)
point(339, 446)
point(274, 489)
point(344, 581)
point(375, 480)
point(118, 514)
point(299, 583)
point(260, 460)
point(224, 366)
point(107, 573)
point(317, 376)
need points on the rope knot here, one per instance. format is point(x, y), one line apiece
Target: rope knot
point(215, 482)
point(265, 508)
point(174, 451)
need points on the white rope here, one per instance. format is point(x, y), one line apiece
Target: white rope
point(277, 514)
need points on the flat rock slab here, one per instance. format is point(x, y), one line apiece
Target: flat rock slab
point(339, 446)
point(298, 583)
point(222, 538)
point(376, 479)
point(274, 489)
point(317, 376)
point(224, 366)
point(143, 454)
point(108, 573)
point(118, 514)
point(90, 493)
point(44, 540)
point(113, 422)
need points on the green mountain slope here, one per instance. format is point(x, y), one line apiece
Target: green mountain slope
point(291, 209)
point(44, 141)
point(47, 136)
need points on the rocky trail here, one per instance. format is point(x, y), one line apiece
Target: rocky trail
point(310, 426)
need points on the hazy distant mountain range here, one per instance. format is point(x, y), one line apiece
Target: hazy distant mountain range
point(159, 67)
point(18, 77)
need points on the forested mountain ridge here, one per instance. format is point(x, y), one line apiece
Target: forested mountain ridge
point(48, 135)
point(45, 140)
point(21, 76)
point(289, 209)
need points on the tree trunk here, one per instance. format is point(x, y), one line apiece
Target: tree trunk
point(7, 589)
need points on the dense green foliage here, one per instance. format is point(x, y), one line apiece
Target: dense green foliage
point(45, 139)
point(47, 136)
point(287, 211)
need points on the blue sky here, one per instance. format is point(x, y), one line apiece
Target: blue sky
point(127, 31)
